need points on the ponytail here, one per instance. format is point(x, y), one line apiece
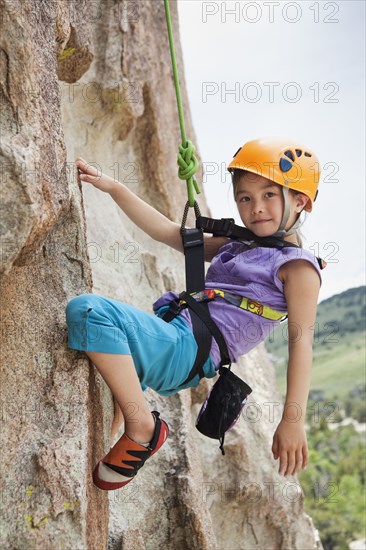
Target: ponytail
point(299, 238)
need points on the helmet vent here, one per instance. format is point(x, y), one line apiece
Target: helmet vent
point(298, 152)
point(307, 154)
point(285, 165)
point(290, 155)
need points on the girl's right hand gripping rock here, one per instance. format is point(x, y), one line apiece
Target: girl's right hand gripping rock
point(90, 174)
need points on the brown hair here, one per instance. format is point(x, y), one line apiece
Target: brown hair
point(235, 177)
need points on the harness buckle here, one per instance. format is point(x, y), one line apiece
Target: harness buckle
point(192, 237)
point(173, 310)
point(225, 228)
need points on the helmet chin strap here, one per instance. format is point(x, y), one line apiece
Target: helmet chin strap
point(281, 232)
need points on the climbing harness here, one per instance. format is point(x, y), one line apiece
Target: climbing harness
point(196, 297)
point(223, 405)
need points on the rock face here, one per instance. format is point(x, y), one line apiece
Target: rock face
point(94, 79)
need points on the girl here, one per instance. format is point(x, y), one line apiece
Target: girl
point(274, 180)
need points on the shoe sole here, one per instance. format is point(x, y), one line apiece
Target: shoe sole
point(112, 486)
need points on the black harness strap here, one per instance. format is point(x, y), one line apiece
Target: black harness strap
point(226, 228)
point(193, 244)
point(201, 310)
point(204, 340)
point(202, 324)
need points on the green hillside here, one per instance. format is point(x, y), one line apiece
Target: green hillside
point(339, 345)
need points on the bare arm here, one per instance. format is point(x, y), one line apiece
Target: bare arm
point(302, 285)
point(147, 218)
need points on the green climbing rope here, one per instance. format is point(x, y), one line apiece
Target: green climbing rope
point(187, 162)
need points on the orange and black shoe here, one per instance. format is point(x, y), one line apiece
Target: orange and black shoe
point(126, 457)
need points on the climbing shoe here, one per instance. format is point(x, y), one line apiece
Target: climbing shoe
point(127, 456)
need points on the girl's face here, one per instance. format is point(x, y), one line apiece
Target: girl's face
point(260, 204)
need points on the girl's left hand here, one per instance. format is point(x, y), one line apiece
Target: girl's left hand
point(89, 174)
point(291, 447)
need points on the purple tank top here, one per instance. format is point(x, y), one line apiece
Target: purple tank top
point(250, 272)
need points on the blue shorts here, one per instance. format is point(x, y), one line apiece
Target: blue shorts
point(163, 353)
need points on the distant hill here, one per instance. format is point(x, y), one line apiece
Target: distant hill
point(339, 344)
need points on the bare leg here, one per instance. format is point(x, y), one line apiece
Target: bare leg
point(117, 420)
point(120, 374)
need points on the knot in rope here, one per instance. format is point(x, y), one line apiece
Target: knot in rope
point(187, 161)
point(188, 165)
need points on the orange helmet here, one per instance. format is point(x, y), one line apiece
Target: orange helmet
point(283, 161)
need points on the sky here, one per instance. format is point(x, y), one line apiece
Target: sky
point(292, 69)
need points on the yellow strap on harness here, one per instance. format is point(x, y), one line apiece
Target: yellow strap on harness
point(239, 301)
point(259, 309)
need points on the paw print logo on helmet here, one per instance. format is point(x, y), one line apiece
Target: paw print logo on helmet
point(286, 164)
